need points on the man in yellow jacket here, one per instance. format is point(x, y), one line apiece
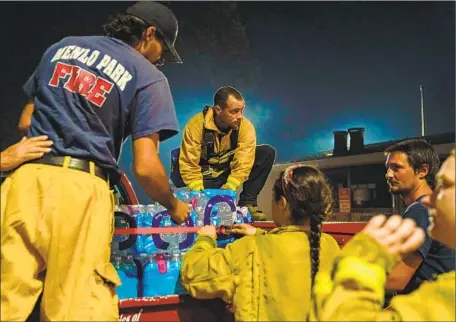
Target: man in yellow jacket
point(219, 150)
point(354, 291)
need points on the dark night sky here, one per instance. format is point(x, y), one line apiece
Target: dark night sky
point(305, 68)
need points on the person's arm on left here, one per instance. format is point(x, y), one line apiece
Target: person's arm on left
point(26, 117)
point(244, 156)
point(30, 88)
point(25, 150)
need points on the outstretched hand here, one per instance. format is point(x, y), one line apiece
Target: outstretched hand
point(243, 229)
point(398, 235)
point(209, 231)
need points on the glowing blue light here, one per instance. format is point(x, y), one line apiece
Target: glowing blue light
point(293, 136)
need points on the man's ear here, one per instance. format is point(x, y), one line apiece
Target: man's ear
point(217, 109)
point(423, 171)
point(150, 32)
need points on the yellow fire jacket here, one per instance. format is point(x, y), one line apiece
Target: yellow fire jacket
point(355, 292)
point(191, 152)
point(264, 277)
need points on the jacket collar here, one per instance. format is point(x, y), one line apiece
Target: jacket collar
point(209, 123)
point(287, 229)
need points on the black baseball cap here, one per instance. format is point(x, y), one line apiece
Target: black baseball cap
point(164, 20)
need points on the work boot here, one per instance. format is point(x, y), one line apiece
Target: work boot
point(257, 215)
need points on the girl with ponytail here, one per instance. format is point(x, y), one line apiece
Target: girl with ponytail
point(268, 276)
point(303, 198)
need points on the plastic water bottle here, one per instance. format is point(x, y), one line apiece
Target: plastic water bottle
point(158, 207)
point(149, 277)
point(200, 208)
point(243, 215)
point(239, 216)
point(199, 214)
point(154, 271)
point(195, 194)
point(215, 219)
point(127, 216)
point(171, 238)
point(226, 215)
point(115, 252)
point(172, 185)
point(137, 212)
point(128, 274)
point(140, 260)
point(148, 242)
point(119, 222)
point(183, 195)
point(171, 282)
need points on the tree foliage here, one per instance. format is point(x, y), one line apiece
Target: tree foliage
point(214, 37)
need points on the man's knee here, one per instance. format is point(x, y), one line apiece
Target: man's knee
point(265, 152)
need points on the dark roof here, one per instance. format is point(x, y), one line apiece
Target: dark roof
point(381, 146)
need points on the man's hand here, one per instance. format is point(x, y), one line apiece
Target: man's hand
point(243, 229)
point(180, 212)
point(208, 231)
point(25, 150)
point(398, 235)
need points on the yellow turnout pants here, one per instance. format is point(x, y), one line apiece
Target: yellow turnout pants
point(56, 230)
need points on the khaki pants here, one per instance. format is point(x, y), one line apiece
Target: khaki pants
point(56, 230)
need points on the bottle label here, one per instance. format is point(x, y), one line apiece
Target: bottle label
point(161, 263)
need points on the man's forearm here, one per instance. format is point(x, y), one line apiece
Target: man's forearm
point(155, 184)
point(6, 161)
point(394, 285)
point(403, 271)
point(149, 171)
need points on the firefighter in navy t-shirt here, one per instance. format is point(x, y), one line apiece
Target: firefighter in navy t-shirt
point(411, 169)
point(88, 94)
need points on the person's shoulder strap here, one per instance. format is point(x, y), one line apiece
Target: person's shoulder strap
point(205, 109)
point(234, 139)
point(208, 135)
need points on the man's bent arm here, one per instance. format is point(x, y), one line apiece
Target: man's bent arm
point(26, 117)
point(149, 171)
point(403, 272)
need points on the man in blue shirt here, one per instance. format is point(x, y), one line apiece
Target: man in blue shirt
point(87, 94)
point(411, 169)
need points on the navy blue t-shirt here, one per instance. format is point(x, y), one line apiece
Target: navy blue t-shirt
point(437, 258)
point(91, 93)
